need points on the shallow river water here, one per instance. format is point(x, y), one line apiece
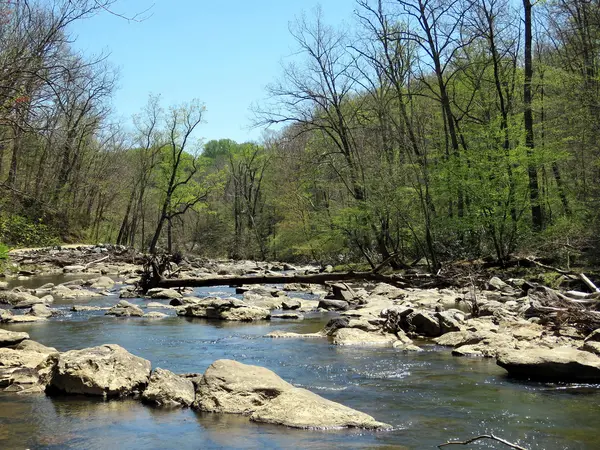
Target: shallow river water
point(429, 397)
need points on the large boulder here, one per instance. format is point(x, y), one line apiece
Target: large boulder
point(25, 371)
point(21, 299)
point(557, 364)
point(231, 387)
point(8, 338)
point(424, 323)
point(125, 309)
point(168, 389)
point(290, 303)
point(334, 305)
point(224, 309)
point(107, 370)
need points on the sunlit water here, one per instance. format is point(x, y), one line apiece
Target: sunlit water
point(429, 398)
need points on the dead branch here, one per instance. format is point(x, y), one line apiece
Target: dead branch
point(484, 436)
point(97, 261)
point(588, 283)
point(545, 266)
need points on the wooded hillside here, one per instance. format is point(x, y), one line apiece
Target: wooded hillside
point(435, 129)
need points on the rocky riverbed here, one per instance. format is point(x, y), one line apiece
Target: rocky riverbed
point(358, 319)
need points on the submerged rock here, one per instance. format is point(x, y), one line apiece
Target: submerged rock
point(155, 315)
point(557, 364)
point(168, 389)
point(279, 334)
point(107, 370)
point(234, 388)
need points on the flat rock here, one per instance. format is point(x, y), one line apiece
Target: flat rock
point(8, 338)
point(101, 283)
point(300, 408)
point(288, 316)
point(355, 336)
point(558, 364)
point(231, 387)
point(168, 294)
point(159, 305)
point(155, 315)
point(460, 338)
point(107, 370)
point(279, 334)
point(33, 346)
point(81, 308)
point(168, 389)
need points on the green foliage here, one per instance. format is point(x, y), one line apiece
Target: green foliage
point(3, 251)
point(18, 231)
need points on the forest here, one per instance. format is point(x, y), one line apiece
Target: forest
point(424, 131)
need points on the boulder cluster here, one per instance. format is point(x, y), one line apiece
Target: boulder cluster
point(227, 387)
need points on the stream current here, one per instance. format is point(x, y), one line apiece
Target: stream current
point(429, 397)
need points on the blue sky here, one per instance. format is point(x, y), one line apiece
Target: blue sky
point(221, 52)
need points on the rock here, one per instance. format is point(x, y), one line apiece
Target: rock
point(168, 389)
point(3, 286)
point(460, 338)
point(185, 301)
point(5, 315)
point(101, 283)
point(499, 285)
point(334, 305)
point(447, 322)
point(469, 350)
point(8, 338)
point(278, 334)
point(73, 268)
point(354, 336)
point(24, 319)
point(300, 408)
point(81, 308)
point(424, 323)
point(128, 293)
point(341, 291)
point(107, 370)
point(268, 302)
point(25, 371)
point(168, 294)
point(290, 303)
point(289, 316)
point(24, 304)
point(40, 311)
point(235, 388)
point(406, 347)
point(125, 309)
point(155, 315)
point(159, 305)
point(224, 309)
point(33, 346)
point(557, 364)
point(19, 298)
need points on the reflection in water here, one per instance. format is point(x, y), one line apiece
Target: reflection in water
point(428, 397)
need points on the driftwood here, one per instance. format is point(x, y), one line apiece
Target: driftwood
point(96, 261)
point(588, 283)
point(484, 436)
point(156, 267)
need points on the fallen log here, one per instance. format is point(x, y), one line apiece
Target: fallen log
point(320, 278)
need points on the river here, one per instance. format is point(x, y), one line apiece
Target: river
point(428, 397)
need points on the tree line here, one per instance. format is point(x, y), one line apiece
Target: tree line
point(424, 131)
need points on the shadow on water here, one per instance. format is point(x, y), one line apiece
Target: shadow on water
point(429, 397)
